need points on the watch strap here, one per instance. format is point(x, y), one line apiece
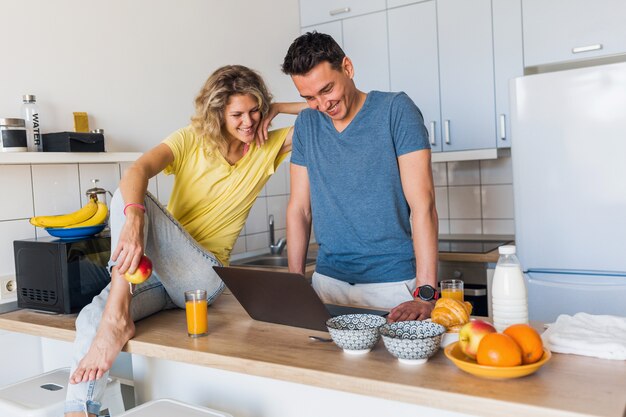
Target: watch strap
point(435, 293)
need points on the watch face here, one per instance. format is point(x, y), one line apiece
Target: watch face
point(426, 292)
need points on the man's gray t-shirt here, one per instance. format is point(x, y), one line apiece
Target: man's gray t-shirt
point(360, 214)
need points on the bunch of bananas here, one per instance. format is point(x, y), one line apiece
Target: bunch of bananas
point(92, 214)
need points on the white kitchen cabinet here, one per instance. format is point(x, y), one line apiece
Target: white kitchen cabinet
point(55, 189)
point(333, 29)
point(365, 42)
point(152, 182)
point(313, 12)
point(454, 58)
point(398, 3)
point(508, 61)
point(568, 30)
point(165, 185)
point(466, 72)
point(414, 61)
point(9, 231)
point(108, 176)
point(17, 191)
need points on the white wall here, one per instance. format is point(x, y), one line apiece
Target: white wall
point(135, 66)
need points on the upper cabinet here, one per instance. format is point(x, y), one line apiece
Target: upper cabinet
point(313, 12)
point(365, 43)
point(567, 30)
point(444, 54)
point(414, 61)
point(508, 61)
point(364, 39)
point(466, 74)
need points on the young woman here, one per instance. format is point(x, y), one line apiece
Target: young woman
point(220, 163)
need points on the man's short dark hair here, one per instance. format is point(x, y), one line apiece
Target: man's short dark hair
point(310, 49)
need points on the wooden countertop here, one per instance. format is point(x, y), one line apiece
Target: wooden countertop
point(568, 385)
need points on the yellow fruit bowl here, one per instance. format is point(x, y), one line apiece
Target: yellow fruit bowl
point(456, 355)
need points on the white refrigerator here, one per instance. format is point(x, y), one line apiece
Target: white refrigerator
point(569, 181)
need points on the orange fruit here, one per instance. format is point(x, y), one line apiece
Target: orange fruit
point(528, 339)
point(498, 349)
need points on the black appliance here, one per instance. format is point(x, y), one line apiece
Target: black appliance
point(60, 276)
point(73, 142)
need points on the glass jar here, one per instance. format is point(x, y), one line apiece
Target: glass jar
point(13, 135)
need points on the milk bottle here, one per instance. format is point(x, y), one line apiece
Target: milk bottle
point(508, 291)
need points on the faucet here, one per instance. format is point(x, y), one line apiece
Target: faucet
point(275, 248)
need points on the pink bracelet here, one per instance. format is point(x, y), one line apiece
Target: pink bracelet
point(141, 206)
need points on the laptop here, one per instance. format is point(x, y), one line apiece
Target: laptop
point(282, 298)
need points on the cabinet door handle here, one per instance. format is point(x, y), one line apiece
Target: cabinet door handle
point(339, 11)
point(431, 134)
point(446, 131)
point(502, 127)
point(587, 48)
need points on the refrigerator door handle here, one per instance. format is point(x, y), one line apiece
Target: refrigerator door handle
point(503, 126)
point(446, 131)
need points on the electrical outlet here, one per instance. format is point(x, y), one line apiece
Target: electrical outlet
point(8, 288)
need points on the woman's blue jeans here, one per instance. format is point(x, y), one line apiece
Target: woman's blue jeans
point(179, 264)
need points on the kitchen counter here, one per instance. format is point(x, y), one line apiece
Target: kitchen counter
point(568, 385)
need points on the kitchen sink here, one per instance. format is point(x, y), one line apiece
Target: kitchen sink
point(267, 261)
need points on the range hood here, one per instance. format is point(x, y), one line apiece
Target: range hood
point(473, 155)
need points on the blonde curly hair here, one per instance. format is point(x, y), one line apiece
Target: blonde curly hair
point(229, 80)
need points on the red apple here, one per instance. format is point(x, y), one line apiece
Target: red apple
point(471, 334)
point(142, 273)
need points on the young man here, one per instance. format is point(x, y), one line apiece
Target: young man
point(360, 168)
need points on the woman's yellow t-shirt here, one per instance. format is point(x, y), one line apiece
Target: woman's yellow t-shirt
point(212, 198)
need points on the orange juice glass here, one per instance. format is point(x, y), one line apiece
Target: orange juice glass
point(196, 309)
point(452, 288)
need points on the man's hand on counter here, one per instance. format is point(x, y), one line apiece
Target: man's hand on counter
point(411, 310)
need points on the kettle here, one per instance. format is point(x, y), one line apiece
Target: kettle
point(98, 193)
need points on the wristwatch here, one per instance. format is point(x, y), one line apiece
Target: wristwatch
point(426, 293)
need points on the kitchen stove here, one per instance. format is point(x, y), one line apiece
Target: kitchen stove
point(469, 246)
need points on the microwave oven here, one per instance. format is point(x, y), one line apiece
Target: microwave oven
point(60, 276)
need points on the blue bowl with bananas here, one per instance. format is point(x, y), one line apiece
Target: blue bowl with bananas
point(84, 222)
point(75, 232)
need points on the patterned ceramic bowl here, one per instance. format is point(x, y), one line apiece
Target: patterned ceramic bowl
point(355, 333)
point(412, 342)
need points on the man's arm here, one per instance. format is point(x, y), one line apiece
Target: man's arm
point(298, 219)
point(417, 185)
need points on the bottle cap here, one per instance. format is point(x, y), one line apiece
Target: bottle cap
point(28, 98)
point(12, 122)
point(507, 250)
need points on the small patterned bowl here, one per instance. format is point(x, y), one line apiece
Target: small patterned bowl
point(412, 342)
point(355, 333)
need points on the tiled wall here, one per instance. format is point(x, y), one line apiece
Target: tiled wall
point(48, 189)
point(475, 197)
point(272, 200)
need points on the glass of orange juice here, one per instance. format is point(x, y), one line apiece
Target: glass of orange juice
point(452, 288)
point(196, 309)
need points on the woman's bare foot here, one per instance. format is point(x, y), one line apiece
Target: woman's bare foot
point(116, 328)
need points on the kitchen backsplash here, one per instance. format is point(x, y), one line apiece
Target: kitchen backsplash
point(475, 197)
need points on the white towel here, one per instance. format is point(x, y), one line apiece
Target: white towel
point(588, 335)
